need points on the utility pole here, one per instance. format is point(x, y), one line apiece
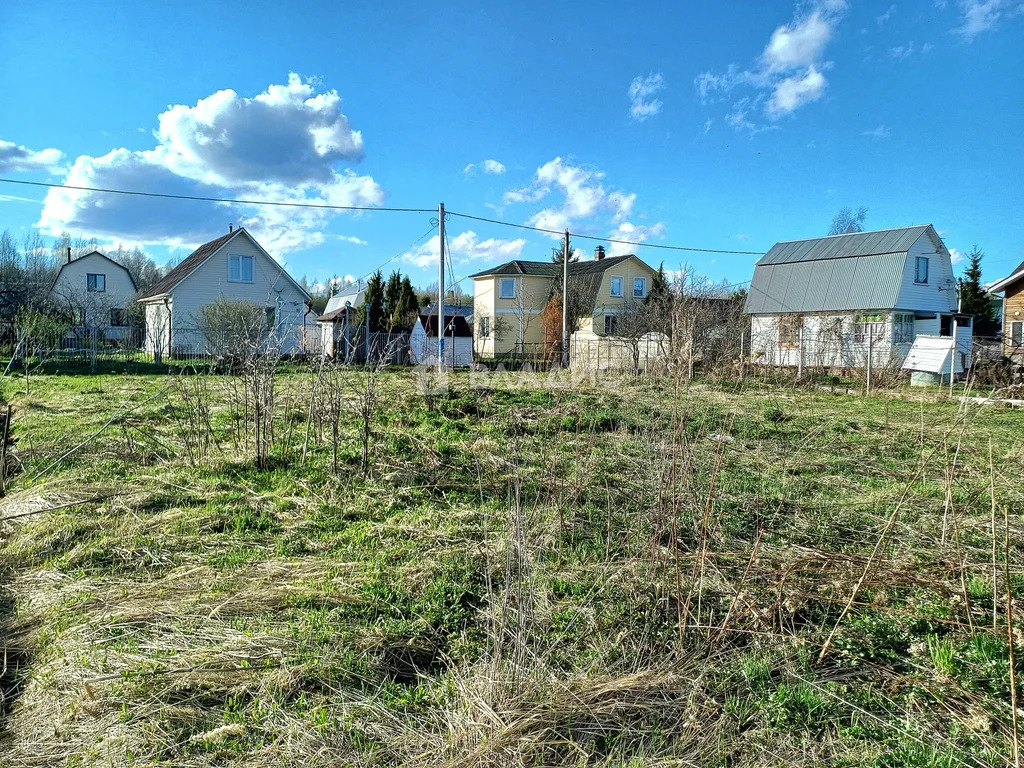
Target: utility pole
point(440, 288)
point(565, 301)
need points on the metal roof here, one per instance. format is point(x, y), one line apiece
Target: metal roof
point(553, 268)
point(844, 246)
point(863, 270)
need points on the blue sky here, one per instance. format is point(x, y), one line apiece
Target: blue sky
point(727, 125)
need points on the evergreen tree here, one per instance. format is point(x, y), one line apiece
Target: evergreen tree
point(392, 297)
point(973, 298)
point(373, 302)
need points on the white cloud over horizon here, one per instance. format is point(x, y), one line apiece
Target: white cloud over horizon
point(18, 159)
point(465, 248)
point(642, 90)
point(283, 145)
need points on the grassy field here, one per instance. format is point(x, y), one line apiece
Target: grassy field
point(615, 575)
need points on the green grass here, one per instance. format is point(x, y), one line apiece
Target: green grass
point(509, 578)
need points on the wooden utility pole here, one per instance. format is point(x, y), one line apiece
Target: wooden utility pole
point(440, 288)
point(565, 301)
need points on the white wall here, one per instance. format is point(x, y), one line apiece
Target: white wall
point(70, 292)
point(270, 287)
point(828, 342)
point(423, 348)
point(939, 294)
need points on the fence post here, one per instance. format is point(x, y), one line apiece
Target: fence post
point(743, 359)
point(871, 349)
point(952, 360)
point(800, 352)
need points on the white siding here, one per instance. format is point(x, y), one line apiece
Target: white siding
point(156, 328)
point(423, 348)
point(828, 342)
point(270, 287)
point(70, 293)
point(939, 294)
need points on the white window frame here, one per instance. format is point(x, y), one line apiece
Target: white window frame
point(1016, 334)
point(502, 282)
point(611, 286)
point(917, 270)
point(902, 327)
point(643, 289)
point(870, 324)
point(97, 279)
point(485, 327)
point(235, 272)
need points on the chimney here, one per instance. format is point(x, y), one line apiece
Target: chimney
point(599, 253)
point(69, 254)
point(231, 228)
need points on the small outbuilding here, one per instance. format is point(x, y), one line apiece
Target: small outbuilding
point(458, 341)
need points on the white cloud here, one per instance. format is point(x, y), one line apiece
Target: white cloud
point(742, 237)
point(636, 233)
point(879, 132)
point(797, 45)
point(642, 90)
point(884, 18)
point(979, 16)
point(583, 196)
point(16, 158)
point(707, 125)
point(795, 91)
point(955, 256)
point(351, 239)
point(487, 166)
point(787, 75)
point(464, 248)
point(283, 145)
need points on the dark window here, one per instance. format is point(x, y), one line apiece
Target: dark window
point(485, 327)
point(922, 270)
point(95, 283)
point(946, 325)
point(271, 319)
point(118, 318)
point(610, 324)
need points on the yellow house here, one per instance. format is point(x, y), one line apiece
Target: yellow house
point(509, 299)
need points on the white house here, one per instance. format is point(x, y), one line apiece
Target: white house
point(96, 293)
point(336, 321)
point(830, 301)
point(234, 266)
point(458, 341)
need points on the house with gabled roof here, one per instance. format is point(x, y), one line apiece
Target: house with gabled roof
point(508, 299)
point(95, 293)
point(830, 302)
point(233, 266)
point(1012, 288)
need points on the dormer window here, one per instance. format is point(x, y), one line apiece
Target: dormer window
point(95, 283)
point(922, 270)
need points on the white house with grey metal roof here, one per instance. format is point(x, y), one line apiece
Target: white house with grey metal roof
point(829, 302)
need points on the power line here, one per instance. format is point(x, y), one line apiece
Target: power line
point(330, 207)
point(168, 196)
point(606, 239)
